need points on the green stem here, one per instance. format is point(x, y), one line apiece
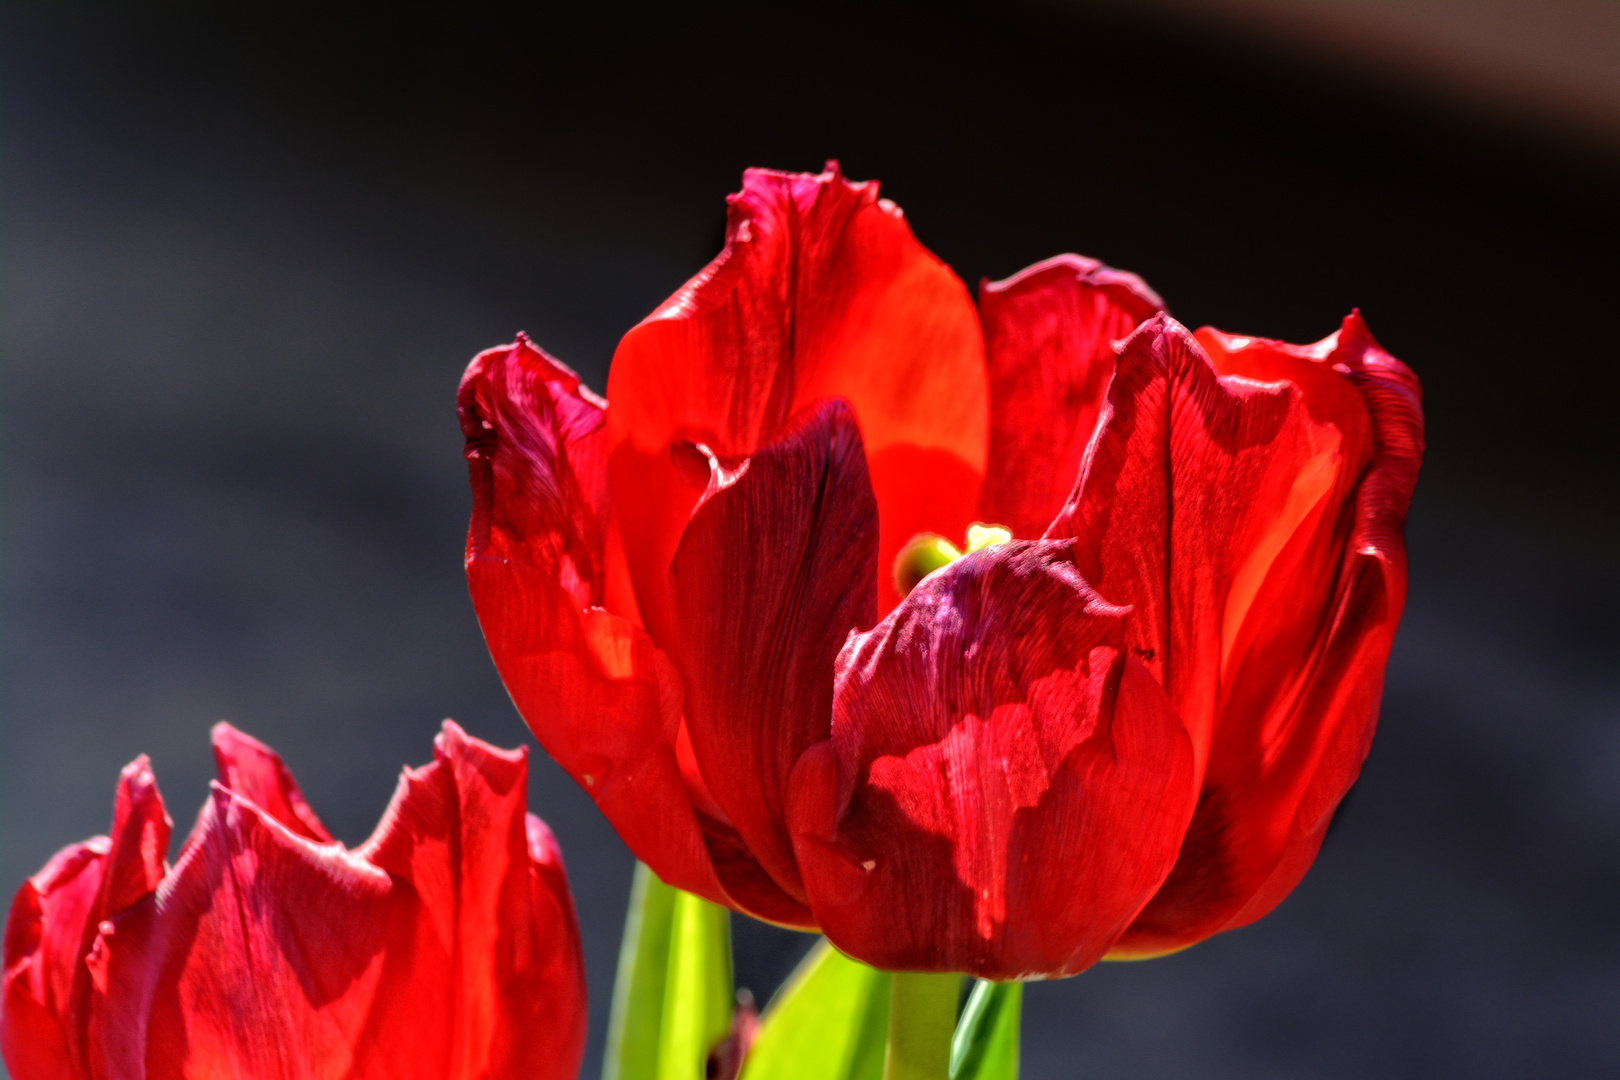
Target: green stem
point(922, 1016)
point(985, 1046)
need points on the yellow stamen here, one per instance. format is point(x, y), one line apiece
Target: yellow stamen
point(981, 535)
point(927, 552)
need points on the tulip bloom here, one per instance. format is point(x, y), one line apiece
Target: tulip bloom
point(1118, 725)
point(445, 946)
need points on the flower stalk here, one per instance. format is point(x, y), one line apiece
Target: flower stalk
point(922, 1019)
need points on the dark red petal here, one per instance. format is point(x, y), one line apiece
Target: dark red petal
point(43, 948)
point(535, 459)
point(1004, 787)
point(821, 292)
point(257, 773)
point(1048, 339)
point(772, 574)
point(599, 695)
point(1301, 690)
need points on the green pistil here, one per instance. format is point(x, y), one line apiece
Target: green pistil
point(922, 555)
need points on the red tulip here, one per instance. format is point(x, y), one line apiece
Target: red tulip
point(1119, 726)
point(445, 946)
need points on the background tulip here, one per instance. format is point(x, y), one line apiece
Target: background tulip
point(1186, 622)
point(445, 946)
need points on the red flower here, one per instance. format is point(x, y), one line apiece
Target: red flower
point(445, 946)
point(693, 595)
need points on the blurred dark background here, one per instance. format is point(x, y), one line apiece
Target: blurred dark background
point(246, 250)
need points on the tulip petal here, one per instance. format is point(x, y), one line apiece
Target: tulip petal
point(1187, 473)
point(772, 574)
point(1300, 692)
point(497, 959)
point(43, 947)
point(1048, 339)
point(58, 915)
point(140, 841)
point(821, 291)
point(261, 958)
point(600, 696)
point(445, 947)
point(1005, 787)
point(257, 773)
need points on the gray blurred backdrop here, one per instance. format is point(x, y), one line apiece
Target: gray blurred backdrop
point(245, 255)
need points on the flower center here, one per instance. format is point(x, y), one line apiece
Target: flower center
point(927, 552)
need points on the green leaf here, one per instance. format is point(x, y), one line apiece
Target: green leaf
point(672, 998)
point(698, 991)
point(829, 1021)
point(985, 1046)
point(638, 988)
